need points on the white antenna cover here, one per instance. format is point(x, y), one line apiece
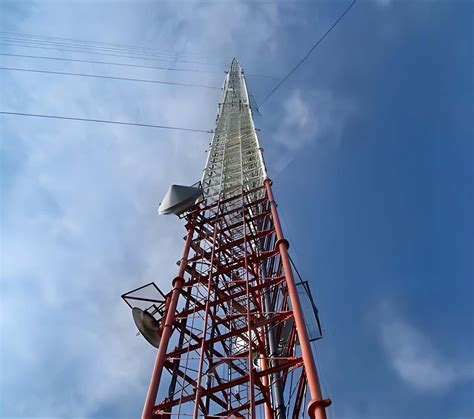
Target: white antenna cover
point(179, 198)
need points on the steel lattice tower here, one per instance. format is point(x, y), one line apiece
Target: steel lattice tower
point(233, 335)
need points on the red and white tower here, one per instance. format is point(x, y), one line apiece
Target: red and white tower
point(233, 334)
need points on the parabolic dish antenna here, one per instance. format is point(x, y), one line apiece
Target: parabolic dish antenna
point(147, 325)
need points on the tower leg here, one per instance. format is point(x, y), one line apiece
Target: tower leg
point(167, 330)
point(317, 406)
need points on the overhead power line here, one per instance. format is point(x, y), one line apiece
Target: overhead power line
point(105, 46)
point(80, 45)
point(105, 121)
point(98, 76)
point(108, 62)
point(34, 36)
point(26, 45)
point(169, 58)
point(307, 54)
point(192, 70)
point(26, 36)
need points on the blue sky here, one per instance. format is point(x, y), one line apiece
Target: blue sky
point(370, 145)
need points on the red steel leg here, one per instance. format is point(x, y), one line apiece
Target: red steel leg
point(317, 406)
point(178, 282)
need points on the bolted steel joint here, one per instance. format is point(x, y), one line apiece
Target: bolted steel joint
point(317, 408)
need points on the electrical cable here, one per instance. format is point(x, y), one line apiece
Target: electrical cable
point(171, 58)
point(192, 70)
point(296, 270)
point(110, 77)
point(307, 54)
point(107, 62)
point(261, 76)
point(105, 121)
point(31, 36)
point(99, 53)
point(79, 45)
point(123, 64)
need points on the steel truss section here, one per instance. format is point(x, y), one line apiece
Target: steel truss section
point(233, 334)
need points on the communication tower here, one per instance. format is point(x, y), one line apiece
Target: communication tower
point(233, 334)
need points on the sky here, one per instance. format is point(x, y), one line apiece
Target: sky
point(370, 147)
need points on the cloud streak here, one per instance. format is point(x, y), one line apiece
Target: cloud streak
point(309, 117)
point(417, 361)
point(79, 216)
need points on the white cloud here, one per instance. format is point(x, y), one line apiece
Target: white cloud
point(79, 205)
point(79, 219)
point(416, 360)
point(309, 117)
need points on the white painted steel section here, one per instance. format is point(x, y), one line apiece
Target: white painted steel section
point(235, 161)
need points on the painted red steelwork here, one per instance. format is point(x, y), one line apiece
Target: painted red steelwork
point(167, 330)
point(233, 335)
point(224, 366)
point(317, 406)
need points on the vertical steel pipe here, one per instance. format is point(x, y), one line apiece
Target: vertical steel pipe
point(178, 282)
point(317, 406)
point(277, 393)
point(197, 399)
